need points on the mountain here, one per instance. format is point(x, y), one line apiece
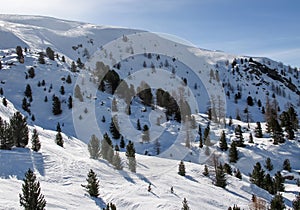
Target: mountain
point(210, 86)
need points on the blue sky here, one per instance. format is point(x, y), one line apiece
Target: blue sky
point(268, 28)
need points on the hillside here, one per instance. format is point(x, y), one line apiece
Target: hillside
point(114, 69)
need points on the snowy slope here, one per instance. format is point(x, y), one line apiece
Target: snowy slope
point(62, 170)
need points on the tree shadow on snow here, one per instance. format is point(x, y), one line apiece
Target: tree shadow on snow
point(126, 176)
point(191, 178)
point(99, 202)
point(16, 162)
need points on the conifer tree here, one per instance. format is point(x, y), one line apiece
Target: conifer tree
point(28, 92)
point(62, 90)
point(69, 80)
point(56, 106)
point(269, 164)
point(138, 125)
point(223, 142)
point(106, 147)
point(92, 186)
point(146, 136)
point(181, 169)
point(122, 142)
point(6, 135)
point(4, 101)
point(220, 177)
point(35, 141)
point(94, 147)
point(239, 136)
point(278, 182)
point(268, 184)
point(58, 128)
point(238, 174)
point(233, 153)
point(1, 91)
point(70, 102)
point(59, 139)
point(41, 58)
point(227, 169)
point(185, 205)
point(251, 138)
point(296, 202)
point(31, 197)
point(205, 172)
point(114, 128)
point(257, 175)
point(287, 165)
point(117, 162)
point(19, 130)
point(130, 154)
point(277, 133)
point(73, 67)
point(50, 53)
point(277, 203)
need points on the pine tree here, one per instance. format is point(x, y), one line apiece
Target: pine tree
point(73, 67)
point(41, 58)
point(269, 164)
point(114, 128)
point(130, 154)
point(227, 169)
point(233, 153)
point(28, 92)
point(35, 141)
point(278, 182)
point(277, 203)
point(268, 184)
point(6, 135)
point(122, 142)
point(94, 147)
point(223, 142)
point(19, 130)
point(181, 169)
point(62, 90)
point(56, 106)
point(251, 138)
point(50, 53)
point(138, 125)
point(287, 165)
point(59, 139)
point(92, 186)
point(63, 59)
point(69, 80)
point(185, 205)
point(277, 133)
point(106, 147)
point(238, 174)
point(296, 203)
point(205, 172)
point(117, 161)
point(31, 197)
point(146, 136)
point(239, 136)
point(58, 128)
point(70, 102)
point(1, 91)
point(4, 102)
point(31, 72)
point(220, 177)
point(257, 175)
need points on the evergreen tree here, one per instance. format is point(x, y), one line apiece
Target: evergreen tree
point(0, 68)
point(50, 53)
point(257, 175)
point(94, 147)
point(233, 153)
point(122, 142)
point(58, 128)
point(296, 203)
point(92, 186)
point(69, 80)
point(181, 169)
point(114, 128)
point(103, 119)
point(25, 105)
point(73, 67)
point(117, 162)
point(35, 141)
point(269, 164)
point(258, 130)
point(268, 184)
point(77, 93)
point(185, 205)
point(230, 121)
point(28, 92)
point(130, 154)
point(220, 177)
point(287, 165)
point(146, 136)
point(205, 172)
point(277, 133)
point(238, 174)
point(59, 139)
point(41, 58)
point(138, 125)
point(63, 59)
point(4, 102)
point(290, 121)
point(239, 136)
point(223, 142)
point(106, 147)
point(277, 203)
point(278, 182)
point(6, 135)
point(46, 99)
point(56, 106)
point(251, 138)
point(62, 90)
point(1, 91)
point(19, 130)
point(70, 102)
point(114, 107)
point(227, 169)
point(31, 72)
point(31, 197)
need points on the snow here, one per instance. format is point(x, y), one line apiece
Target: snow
point(61, 171)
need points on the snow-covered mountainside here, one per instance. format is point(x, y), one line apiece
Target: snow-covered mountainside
point(98, 73)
